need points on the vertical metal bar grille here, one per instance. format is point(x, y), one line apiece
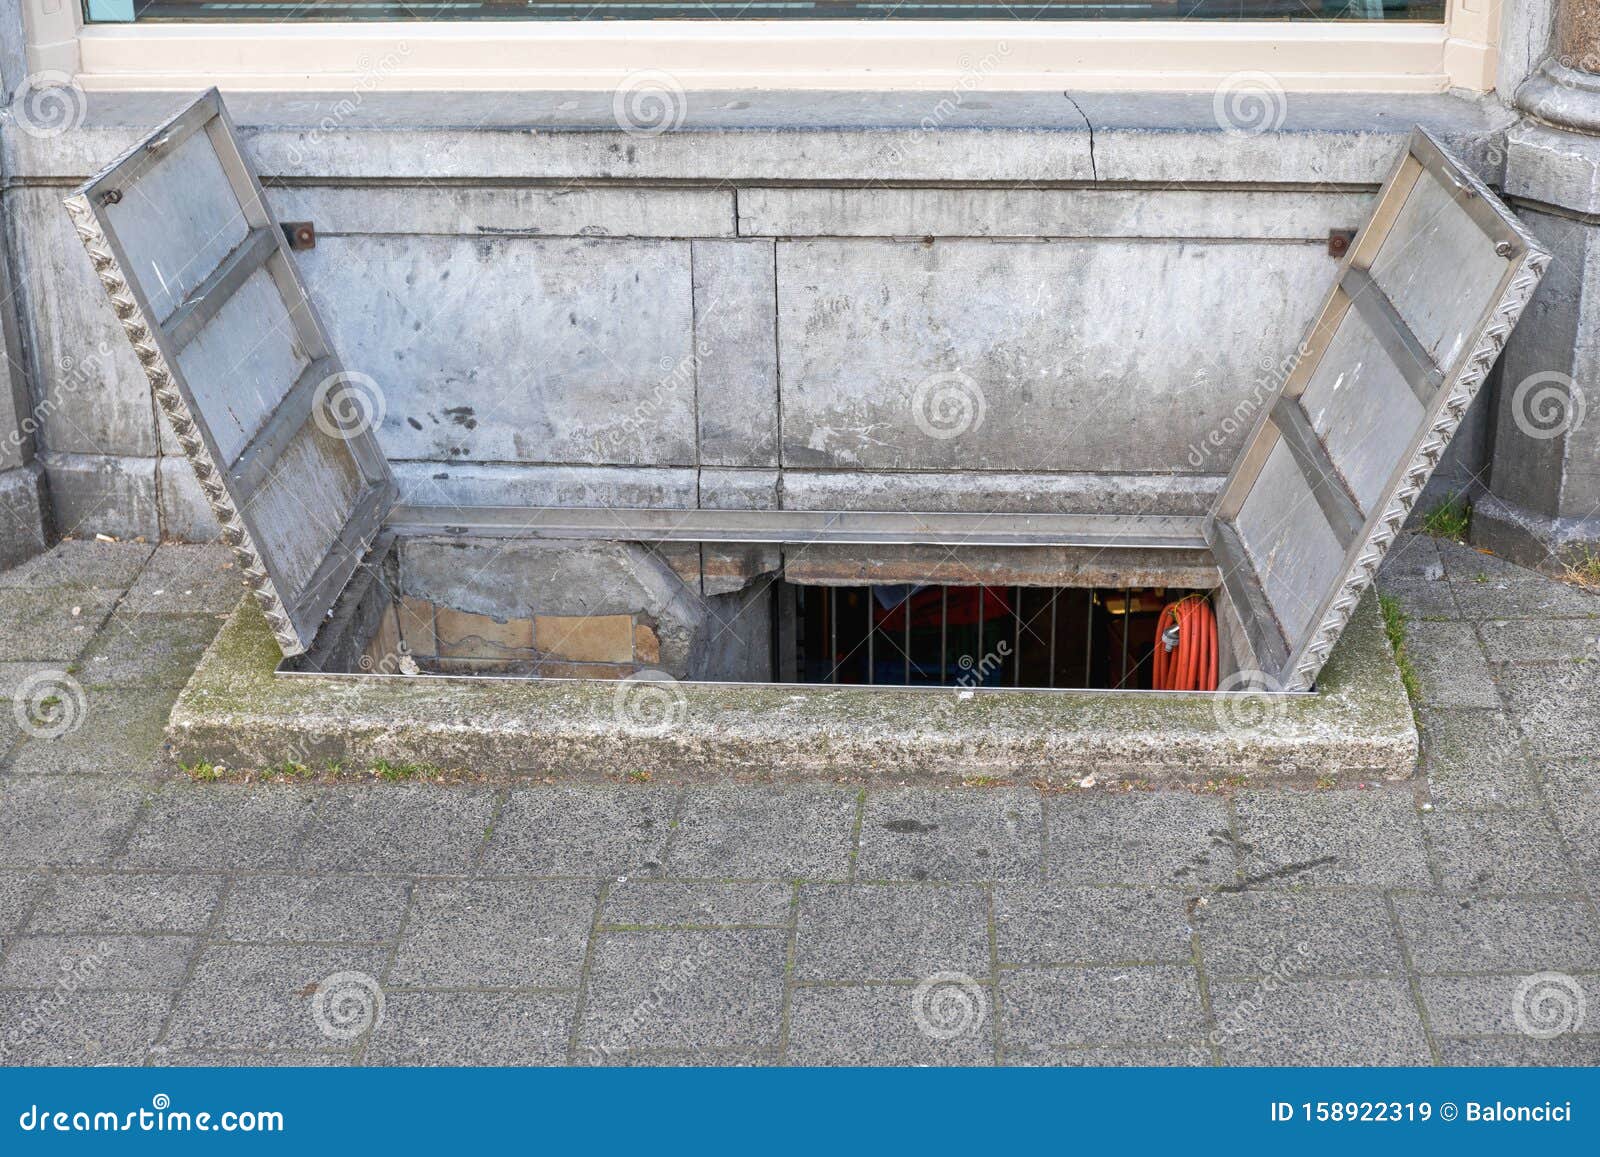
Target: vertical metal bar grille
point(944, 631)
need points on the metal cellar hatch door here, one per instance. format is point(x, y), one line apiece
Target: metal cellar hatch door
point(1424, 301)
point(279, 434)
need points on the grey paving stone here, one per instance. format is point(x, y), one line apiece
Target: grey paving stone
point(1422, 600)
point(655, 1058)
point(162, 1057)
point(1525, 641)
point(684, 990)
point(665, 904)
point(81, 563)
point(1412, 556)
point(182, 579)
point(1489, 1005)
point(1368, 838)
point(122, 735)
point(64, 821)
point(1045, 1008)
point(398, 828)
point(246, 996)
point(1573, 789)
point(1319, 1022)
point(1474, 759)
point(1468, 564)
point(221, 826)
point(585, 830)
point(1450, 665)
point(492, 934)
point(748, 833)
point(1165, 1057)
point(1497, 851)
point(889, 932)
point(1262, 933)
point(54, 1027)
point(146, 650)
point(473, 1028)
point(139, 902)
point(879, 1025)
point(1060, 923)
point(1474, 934)
point(18, 891)
point(1141, 837)
point(934, 834)
point(38, 624)
point(1498, 598)
point(1565, 1051)
point(332, 908)
point(99, 961)
point(1555, 706)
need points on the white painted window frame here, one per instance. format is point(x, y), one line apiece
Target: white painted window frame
point(1156, 55)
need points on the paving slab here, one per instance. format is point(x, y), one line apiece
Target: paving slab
point(54, 820)
point(1539, 640)
point(1450, 665)
point(97, 961)
point(1566, 1051)
point(1555, 706)
point(684, 990)
point(1062, 923)
point(50, 623)
point(1364, 838)
point(1510, 850)
point(473, 1028)
point(146, 650)
point(1160, 1056)
point(1412, 557)
point(1500, 1005)
point(1474, 759)
point(81, 563)
point(162, 1057)
point(585, 830)
point(1301, 933)
point(659, 903)
point(314, 908)
point(1468, 564)
point(221, 826)
point(1456, 933)
point(879, 1025)
point(1044, 1008)
point(765, 833)
point(1422, 600)
point(1573, 789)
point(398, 828)
point(182, 579)
point(122, 735)
point(1500, 599)
point(1139, 837)
point(266, 998)
point(133, 902)
point(496, 934)
point(888, 932)
point(18, 892)
point(945, 834)
point(82, 1028)
point(1319, 1022)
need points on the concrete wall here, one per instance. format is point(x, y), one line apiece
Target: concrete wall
point(1016, 301)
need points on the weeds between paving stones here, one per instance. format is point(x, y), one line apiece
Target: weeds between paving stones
point(1394, 626)
point(1448, 520)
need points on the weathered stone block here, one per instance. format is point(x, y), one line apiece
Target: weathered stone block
point(736, 352)
point(586, 638)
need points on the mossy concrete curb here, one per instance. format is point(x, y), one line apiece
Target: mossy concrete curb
point(237, 711)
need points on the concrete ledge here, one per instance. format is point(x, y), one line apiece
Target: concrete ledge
point(1530, 539)
point(24, 513)
point(236, 711)
point(810, 137)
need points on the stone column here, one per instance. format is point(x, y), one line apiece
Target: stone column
point(24, 508)
point(1543, 508)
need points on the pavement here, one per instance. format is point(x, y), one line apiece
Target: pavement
point(148, 918)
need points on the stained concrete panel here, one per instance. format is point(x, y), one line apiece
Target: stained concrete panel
point(736, 352)
point(981, 355)
point(517, 349)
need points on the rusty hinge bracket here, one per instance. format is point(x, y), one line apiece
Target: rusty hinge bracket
point(301, 234)
point(1339, 241)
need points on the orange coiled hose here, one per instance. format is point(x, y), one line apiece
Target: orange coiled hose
point(1192, 664)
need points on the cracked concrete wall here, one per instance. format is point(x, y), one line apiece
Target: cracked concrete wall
point(1056, 303)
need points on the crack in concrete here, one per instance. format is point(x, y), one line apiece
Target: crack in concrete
point(1094, 171)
